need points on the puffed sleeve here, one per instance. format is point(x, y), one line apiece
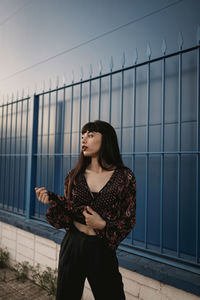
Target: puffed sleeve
point(60, 210)
point(118, 228)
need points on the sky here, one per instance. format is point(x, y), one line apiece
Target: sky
point(42, 40)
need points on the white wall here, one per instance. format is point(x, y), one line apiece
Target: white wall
point(87, 31)
point(25, 246)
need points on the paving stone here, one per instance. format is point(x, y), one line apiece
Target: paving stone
point(13, 289)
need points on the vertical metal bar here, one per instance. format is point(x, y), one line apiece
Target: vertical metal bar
point(121, 111)
point(147, 155)
point(26, 152)
point(162, 155)
point(14, 167)
point(134, 123)
point(134, 115)
point(80, 112)
point(99, 112)
point(1, 144)
point(56, 133)
point(4, 185)
point(110, 98)
point(20, 154)
point(179, 150)
point(41, 150)
point(49, 114)
point(89, 109)
point(32, 158)
point(10, 157)
point(72, 101)
point(198, 159)
point(63, 132)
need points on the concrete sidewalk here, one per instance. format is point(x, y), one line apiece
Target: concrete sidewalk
point(12, 289)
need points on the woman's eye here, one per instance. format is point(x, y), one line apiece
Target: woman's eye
point(90, 135)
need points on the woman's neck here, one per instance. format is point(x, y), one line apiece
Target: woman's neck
point(95, 166)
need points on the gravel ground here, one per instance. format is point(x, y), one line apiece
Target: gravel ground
point(12, 289)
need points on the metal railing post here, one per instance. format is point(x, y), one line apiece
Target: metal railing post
point(32, 158)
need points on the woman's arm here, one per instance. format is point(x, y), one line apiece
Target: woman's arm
point(60, 210)
point(117, 229)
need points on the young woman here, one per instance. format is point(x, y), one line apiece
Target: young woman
point(98, 210)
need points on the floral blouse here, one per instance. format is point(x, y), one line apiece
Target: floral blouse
point(115, 203)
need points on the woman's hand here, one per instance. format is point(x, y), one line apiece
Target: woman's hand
point(42, 195)
point(93, 219)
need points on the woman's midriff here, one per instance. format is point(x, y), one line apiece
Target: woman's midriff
point(84, 228)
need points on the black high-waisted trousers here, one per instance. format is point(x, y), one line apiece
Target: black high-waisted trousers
point(82, 256)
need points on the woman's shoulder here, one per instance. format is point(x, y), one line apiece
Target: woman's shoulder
point(127, 172)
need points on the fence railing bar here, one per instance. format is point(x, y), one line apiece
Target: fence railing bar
point(20, 150)
point(89, 103)
point(198, 160)
point(26, 151)
point(80, 118)
point(99, 110)
point(71, 124)
point(147, 156)
point(15, 147)
point(5, 163)
point(121, 111)
point(110, 98)
point(55, 141)
point(32, 159)
point(134, 121)
point(124, 153)
point(49, 122)
point(14, 101)
point(62, 133)
point(10, 161)
point(126, 127)
point(162, 155)
point(120, 70)
point(179, 149)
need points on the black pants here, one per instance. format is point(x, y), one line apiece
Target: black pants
point(87, 256)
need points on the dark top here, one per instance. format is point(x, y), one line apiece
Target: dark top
point(115, 203)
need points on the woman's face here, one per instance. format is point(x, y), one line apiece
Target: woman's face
point(91, 143)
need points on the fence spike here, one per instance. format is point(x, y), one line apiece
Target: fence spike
point(72, 76)
point(82, 73)
point(64, 79)
point(91, 70)
point(123, 60)
point(27, 91)
point(135, 56)
point(198, 35)
point(57, 80)
point(164, 47)
point(180, 40)
point(111, 63)
point(100, 67)
point(148, 51)
point(50, 83)
point(35, 88)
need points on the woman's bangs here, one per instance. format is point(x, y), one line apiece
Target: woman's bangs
point(90, 127)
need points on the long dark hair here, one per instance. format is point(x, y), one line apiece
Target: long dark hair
point(109, 154)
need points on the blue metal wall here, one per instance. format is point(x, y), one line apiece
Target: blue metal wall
point(154, 107)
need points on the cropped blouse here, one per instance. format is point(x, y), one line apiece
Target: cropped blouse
point(115, 203)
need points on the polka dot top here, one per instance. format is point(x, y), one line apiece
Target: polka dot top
point(115, 203)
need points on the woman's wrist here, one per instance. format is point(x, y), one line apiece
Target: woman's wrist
point(102, 225)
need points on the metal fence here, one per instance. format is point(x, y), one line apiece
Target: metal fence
point(154, 108)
